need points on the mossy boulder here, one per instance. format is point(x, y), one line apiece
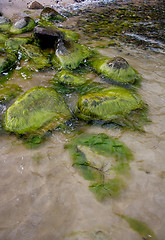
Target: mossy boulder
point(70, 54)
point(7, 62)
point(23, 25)
point(15, 43)
point(116, 69)
point(38, 110)
point(70, 79)
point(108, 104)
point(5, 23)
point(35, 54)
point(49, 14)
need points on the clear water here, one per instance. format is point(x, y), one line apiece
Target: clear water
point(42, 197)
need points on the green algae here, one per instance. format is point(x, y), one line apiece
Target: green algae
point(116, 69)
point(111, 188)
point(140, 227)
point(9, 92)
point(15, 43)
point(38, 108)
point(70, 54)
point(27, 26)
point(92, 153)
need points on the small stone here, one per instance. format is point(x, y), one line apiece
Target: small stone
point(35, 5)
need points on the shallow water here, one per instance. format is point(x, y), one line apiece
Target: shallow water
point(44, 197)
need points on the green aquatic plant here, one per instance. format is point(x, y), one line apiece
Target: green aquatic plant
point(116, 69)
point(92, 154)
point(110, 188)
point(70, 54)
point(140, 227)
point(34, 113)
point(23, 25)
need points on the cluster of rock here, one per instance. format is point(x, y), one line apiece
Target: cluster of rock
point(42, 109)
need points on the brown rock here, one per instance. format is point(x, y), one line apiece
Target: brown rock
point(35, 5)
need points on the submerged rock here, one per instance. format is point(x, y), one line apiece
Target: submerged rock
point(49, 14)
point(116, 69)
point(15, 43)
point(7, 62)
point(70, 54)
point(5, 23)
point(23, 25)
point(108, 104)
point(70, 79)
point(40, 108)
point(34, 53)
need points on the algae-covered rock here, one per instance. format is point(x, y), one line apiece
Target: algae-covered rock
point(7, 62)
point(9, 92)
point(23, 25)
point(48, 36)
point(40, 108)
point(116, 69)
point(5, 23)
point(3, 37)
point(35, 54)
point(102, 160)
point(69, 78)
point(70, 54)
point(108, 104)
point(50, 14)
point(15, 43)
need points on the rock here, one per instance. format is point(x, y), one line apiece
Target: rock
point(35, 5)
point(70, 54)
point(8, 92)
point(116, 69)
point(23, 25)
point(38, 110)
point(3, 37)
point(5, 23)
point(49, 14)
point(48, 36)
point(34, 53)
point(7, 62)
point(108, 104)
point(15, 43)
point(70, 79)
